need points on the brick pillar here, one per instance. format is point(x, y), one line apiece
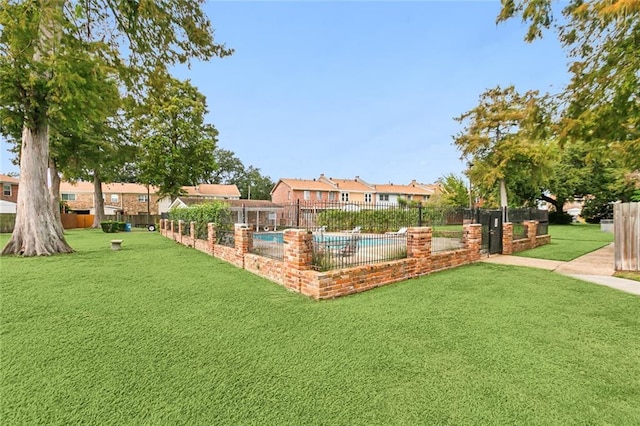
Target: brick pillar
point(298, 251)
point(172, 230)
point(211, 237)
point(192, 231)
point(472, 238)
point(507, 238)
point(419, 247)
point(532, 231)
point(243, 240)
point(180, 231)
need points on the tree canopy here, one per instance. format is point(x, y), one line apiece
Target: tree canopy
point(176, 145)
point(602, 100)
point(505, 140)
point(53, 54)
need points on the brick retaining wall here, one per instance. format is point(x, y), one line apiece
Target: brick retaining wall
point(296, 274)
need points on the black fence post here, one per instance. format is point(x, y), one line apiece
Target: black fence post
point(297, 213)
point(420, 214)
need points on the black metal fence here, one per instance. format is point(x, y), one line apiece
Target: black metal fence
point(268, 244)
point(519, 216)
point(337, 251)
point(225, 237)
point(368, 217)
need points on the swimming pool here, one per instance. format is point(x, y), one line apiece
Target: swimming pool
point(369, 240)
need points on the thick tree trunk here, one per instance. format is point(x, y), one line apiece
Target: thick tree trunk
point(54, 193)
point(98, 201)
point(503, 200)
point(557, 204)
point(37, 232)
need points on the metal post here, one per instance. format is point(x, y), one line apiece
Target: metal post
point(420, 214)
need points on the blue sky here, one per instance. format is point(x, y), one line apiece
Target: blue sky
point(359, 88)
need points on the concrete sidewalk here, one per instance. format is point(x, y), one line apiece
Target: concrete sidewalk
point(595, 267)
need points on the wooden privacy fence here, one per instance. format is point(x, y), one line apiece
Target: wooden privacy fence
point(626, 228)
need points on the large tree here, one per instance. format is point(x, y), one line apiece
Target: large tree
point(176, 144)
point(230, 170)
point(38, 83)
point(602, 39)
point(505, 138)
point(455, 191)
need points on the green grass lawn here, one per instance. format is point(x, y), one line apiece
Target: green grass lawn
point(161, 334)
point(569, 242)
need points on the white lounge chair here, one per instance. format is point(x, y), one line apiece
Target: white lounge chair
point(355, 230)
point(400, 231)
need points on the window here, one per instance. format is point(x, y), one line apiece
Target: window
point(289, 195)
point(114, 198)
point(344, 196)
point(318, 195)
point(307, 195)
point(383, 197)
point(409, 197)
point(143, 198)
point(6, 189)
point(367, 198)
point(68, 197)
point(332, 196)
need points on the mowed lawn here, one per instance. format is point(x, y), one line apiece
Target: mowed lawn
point(161, 334)
point(569, 242)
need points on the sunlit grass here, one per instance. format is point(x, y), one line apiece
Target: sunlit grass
point(161, 334)
point(569, 242)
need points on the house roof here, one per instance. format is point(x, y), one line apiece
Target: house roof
point(107, 188)
point(352, 185)
point(8, 179)
point(306, 184)
point(211, 189)
point(403, 189)
point(192, 201)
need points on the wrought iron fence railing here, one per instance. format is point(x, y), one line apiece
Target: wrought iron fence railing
point(268, 244)
point(225, 237)
point(337, 251)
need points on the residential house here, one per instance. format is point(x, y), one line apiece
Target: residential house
point(126, 198)
point(259, 214)
point(352, 190)
point(9, 188)
point(391, 193)
point(292, 190)
point(212, 191)
point(134, 198)
point(348, 191)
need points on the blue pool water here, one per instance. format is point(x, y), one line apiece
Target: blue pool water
point(278, 237)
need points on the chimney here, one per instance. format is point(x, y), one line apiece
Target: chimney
point(357, 177)
point(413, 182)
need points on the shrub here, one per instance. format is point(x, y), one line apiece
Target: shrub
point(560, 218)
point(110, 226)
point(122, 226)
point(595, 210)
point(216, 212)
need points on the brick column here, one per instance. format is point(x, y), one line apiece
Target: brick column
point(211, 237)
point(472, 238)
point(172, 230)
point(532, 232)
point(243, 241)
point(180, 231)
point(507, 238)
point(192, 231)
point(298, 251)
point(419, 247)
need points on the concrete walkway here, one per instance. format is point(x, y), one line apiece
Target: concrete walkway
point(595, 267)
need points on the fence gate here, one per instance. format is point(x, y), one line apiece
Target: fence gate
point(491, 221)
